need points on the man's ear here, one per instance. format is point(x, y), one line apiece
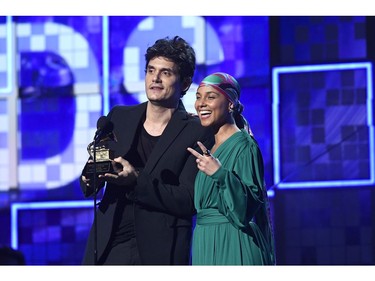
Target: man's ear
point(186, 84)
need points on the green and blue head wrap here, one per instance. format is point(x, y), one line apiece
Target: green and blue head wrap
point(227, 85)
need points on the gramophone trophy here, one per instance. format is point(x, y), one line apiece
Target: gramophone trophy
point(101, 154)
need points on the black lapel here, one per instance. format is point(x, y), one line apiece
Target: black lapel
point(127, 128)
point(175, 126)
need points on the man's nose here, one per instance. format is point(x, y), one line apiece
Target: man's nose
point(156, 77)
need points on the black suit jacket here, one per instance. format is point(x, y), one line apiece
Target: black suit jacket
point(164, 191)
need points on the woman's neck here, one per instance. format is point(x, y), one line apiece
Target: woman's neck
point(224, 133)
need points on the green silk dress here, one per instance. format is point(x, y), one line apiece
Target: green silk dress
point(233, 225)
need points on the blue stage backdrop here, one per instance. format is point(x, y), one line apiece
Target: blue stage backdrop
point(307, 90)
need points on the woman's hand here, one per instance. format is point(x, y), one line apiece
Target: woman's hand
point(205, 162)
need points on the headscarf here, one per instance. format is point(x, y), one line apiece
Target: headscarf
point(228, 86)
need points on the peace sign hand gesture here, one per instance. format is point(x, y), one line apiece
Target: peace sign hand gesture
point(205, 162)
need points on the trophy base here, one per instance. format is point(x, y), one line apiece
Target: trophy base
point(101, 168)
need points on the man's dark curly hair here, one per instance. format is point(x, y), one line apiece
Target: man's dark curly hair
point(176, 50)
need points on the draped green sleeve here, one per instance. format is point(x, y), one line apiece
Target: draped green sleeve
point(240, 181)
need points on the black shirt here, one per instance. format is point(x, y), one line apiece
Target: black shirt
point(137, 156)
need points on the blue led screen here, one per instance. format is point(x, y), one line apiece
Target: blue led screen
point(323, 127)
point(307, 92)
point(63, 70)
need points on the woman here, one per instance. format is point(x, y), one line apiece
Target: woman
point(233, 224)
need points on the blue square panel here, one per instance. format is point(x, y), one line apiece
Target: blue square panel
point(323, 134)
point(52, 232)
point(6, 56)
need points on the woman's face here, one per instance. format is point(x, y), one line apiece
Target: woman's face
point(212, 107)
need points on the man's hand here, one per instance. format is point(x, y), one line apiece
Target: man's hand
point(124, 173)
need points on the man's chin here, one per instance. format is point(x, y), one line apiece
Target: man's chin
point(163, 103)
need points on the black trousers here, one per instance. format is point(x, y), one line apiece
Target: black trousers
point(125, 253)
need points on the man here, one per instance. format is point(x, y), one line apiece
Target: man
point(145, 215)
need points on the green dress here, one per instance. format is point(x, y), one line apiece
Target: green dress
point(233, 225)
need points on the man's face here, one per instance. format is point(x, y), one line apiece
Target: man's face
point(163, 85)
